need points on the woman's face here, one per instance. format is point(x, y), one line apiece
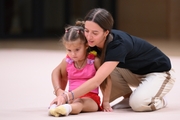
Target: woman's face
point(95, 35)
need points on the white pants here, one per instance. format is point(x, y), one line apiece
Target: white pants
point(149, 89)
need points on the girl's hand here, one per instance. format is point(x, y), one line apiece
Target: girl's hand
point(59, 100)
point(106, 107)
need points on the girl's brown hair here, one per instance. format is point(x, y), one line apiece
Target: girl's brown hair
point(72, 33)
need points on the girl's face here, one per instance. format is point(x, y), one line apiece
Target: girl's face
point(95, 35)
point(76, 50)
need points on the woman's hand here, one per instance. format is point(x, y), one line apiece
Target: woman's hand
point(59, 100)
point(106, 107)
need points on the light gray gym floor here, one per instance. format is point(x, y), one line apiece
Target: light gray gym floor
point(26, 89)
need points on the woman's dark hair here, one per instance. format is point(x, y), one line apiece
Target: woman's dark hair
point(105, 20)
point(101, 17)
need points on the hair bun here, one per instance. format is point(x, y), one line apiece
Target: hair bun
point(80, 23)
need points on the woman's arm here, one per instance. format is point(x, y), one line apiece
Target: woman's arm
point(106, 91)
point(103, 72)
point(59, 78)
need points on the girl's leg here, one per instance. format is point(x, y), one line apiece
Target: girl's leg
point(84, 104)
point(79, 105)
point(149, 94)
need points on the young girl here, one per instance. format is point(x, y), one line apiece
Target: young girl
point(131, 61)
point(78, 66)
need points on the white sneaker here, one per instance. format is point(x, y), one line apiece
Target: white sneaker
point(165, 102)
point(122, 104)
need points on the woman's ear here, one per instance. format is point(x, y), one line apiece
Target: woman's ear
point(106, 33)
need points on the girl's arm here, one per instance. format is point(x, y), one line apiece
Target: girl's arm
point(103, 72)
point(106, 95)
point(59, 78)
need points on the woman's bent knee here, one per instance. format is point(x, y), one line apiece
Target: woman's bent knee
point(139, 105)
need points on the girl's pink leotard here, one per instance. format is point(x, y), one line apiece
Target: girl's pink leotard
point(76, 77)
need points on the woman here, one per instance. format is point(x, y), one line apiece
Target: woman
point(130, 61)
